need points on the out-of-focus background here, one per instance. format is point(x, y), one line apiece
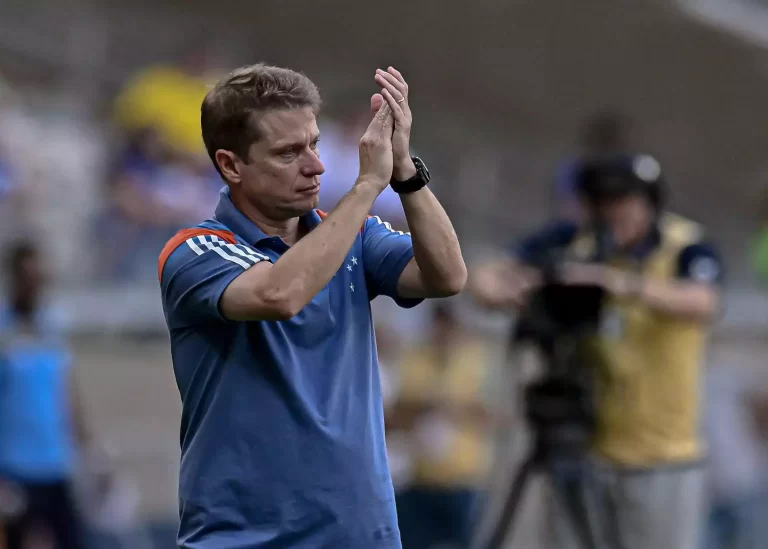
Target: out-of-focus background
point(101, 161)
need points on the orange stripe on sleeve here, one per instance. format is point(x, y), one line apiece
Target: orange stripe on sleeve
point(182, 236)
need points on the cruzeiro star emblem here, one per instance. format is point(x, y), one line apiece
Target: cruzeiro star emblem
point(352, 262)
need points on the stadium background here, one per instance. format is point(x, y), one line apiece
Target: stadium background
point(498, 91)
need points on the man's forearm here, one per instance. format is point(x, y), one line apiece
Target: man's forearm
point(308, 266)
point(435, 245)
point(679, 299)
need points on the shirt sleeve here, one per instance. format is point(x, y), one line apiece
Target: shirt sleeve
point(701, 263)
point(197, 273)
point(533, 247)
point(386, 252)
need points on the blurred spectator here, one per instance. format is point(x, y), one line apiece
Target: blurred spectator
point(11, 200)
point(390, 346)
point(167, 98)
point(163, 179)
point(40, 420)
point(604, 132)
point(443, 412)
point(13, 222)
point(339, 145)
point(152, 193)
point(738, 459)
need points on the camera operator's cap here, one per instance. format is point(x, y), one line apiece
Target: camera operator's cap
point(616, 176)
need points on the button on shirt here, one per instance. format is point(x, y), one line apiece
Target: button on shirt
point(282, 431)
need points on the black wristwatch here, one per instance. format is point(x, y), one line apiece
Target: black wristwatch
point(414, 183)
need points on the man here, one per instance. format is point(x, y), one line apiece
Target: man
point(41, 423)
point(444, 411)
point(282, 434)
point(662, 278)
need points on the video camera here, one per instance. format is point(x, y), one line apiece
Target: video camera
point(562, 322)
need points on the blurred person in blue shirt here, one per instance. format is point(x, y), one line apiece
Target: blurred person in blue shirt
point(40, 422)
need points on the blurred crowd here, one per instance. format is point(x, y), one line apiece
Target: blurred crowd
point(444, 379)
point(152, 176)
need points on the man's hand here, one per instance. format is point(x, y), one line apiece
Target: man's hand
point(376, 149)
point(394, 92)
point(616, 282)
point(677, 298)
point(504, 285)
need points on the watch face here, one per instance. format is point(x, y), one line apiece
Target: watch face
point(421, 168)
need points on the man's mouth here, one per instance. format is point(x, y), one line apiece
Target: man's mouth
point(312, 189)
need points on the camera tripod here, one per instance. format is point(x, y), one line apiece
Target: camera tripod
point(560, 321)
point(567, 476)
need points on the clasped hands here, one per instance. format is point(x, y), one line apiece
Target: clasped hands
point(385, 145)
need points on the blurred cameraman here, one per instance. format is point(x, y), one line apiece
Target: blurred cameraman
point(662, 278)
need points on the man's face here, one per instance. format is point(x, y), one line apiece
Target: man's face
point(282, 176)
point(629, 219)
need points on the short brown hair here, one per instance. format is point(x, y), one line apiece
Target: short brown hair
point(227, 114)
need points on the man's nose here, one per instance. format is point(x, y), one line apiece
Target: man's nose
point(313, 166)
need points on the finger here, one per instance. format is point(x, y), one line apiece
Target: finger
point(401, 88)
point(397, 111)
point(386, 120)
point(386, 80)
point(396, 73)
point(376, 102)
point(397, 81)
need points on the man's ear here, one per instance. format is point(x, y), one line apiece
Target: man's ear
point(229, 165)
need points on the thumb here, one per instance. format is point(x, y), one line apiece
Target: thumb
point(377, 100)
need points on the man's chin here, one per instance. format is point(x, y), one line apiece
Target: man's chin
point(313, 203)
point(303, 207)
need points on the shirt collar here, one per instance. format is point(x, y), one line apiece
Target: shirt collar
point(228, 214)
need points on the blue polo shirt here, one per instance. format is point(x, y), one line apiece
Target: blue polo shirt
point(282, 429)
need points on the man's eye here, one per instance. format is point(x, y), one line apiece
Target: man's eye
point(314, 144)
point(288, 154)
